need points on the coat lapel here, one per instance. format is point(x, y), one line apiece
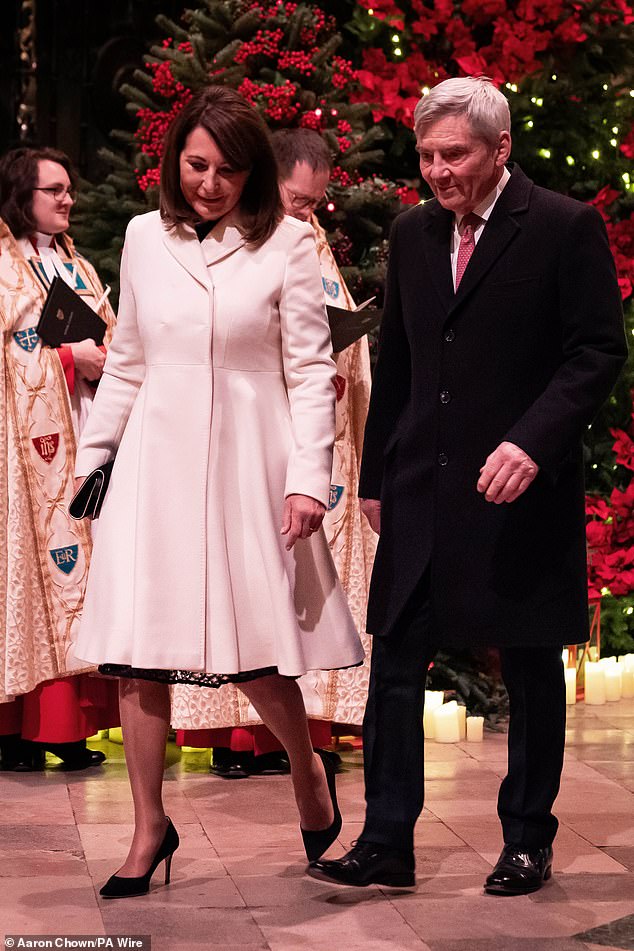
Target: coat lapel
point(224, 239)
point(499, 231)
point(183, 244)
point(438, 225)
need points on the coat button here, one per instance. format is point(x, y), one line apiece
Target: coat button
point(443, 459)
point(450, 336)
point(445, 396)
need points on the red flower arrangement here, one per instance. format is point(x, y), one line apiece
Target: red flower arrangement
point(621, 236)
point(505, 41)
point(610, 529)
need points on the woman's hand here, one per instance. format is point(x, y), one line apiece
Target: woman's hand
point(303, 515)
point(89, 358)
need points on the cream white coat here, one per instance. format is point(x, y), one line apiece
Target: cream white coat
point(218, 400)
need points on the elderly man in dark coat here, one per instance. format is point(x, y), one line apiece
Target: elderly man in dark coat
point(502, 336)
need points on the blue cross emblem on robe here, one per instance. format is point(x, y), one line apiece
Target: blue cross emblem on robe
point(331, 287)
point(27, 339)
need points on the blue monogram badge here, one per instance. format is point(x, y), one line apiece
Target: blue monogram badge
point(27, 339)
point(336, 491)
point(65, 558)
point(331, 287)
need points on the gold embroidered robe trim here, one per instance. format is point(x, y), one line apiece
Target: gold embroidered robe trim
point(44, 554)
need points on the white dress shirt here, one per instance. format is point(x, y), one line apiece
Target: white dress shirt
point(483, 210)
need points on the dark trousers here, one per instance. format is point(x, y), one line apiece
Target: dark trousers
point(393, 735)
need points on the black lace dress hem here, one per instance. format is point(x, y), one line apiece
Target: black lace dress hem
point(195, 678)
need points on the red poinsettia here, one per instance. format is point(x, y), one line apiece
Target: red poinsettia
point(607, 196)
point(506, 41)
point(624, 448)
point(394, 88)
point(610, 529)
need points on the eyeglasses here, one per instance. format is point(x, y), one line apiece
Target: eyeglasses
point(303, 201)
point(58, 192)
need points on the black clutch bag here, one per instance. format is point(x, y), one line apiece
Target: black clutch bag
point(87, 502)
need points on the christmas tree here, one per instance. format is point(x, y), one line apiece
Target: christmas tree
point(283, 58)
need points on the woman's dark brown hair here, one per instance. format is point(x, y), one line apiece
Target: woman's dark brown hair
point(18, 178)
point(244, 141)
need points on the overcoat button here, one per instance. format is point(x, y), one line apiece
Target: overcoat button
point(450, 336)
point(445, 396)
point(443, 459)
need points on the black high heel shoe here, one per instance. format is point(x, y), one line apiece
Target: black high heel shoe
point(119, 887)
point(317, 842)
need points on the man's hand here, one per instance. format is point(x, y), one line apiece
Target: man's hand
point(371, 508)
point(303, 515)
point(506, 474)
point(89, 358)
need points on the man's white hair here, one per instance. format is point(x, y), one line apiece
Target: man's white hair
point(486, 109)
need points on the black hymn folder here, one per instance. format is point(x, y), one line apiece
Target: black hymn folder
point(347, 326)
point(66, 318)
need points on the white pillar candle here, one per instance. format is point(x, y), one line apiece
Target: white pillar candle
point(462, 721)
point(433, 699)
point(475, 729)
point(571, 685)
point(607, 662)
point(446, 723)
point(594, 690)
point(627, 681)
point(627, 661)
point(612, 675)
point(565, 656)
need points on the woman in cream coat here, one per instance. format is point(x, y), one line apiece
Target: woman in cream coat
point(210, 565)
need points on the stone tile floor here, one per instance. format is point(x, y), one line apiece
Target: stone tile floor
point(238, 878)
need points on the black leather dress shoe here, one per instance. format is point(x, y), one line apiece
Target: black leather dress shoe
point(518, 872)
point(83, 760)
point(229, 764)
point(367, 863)
point(274, 763)
point(21, 756)
point(75, 756)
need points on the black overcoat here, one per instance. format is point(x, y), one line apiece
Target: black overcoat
point(527, 350)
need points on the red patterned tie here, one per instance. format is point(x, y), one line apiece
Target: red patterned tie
point(467, 244)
